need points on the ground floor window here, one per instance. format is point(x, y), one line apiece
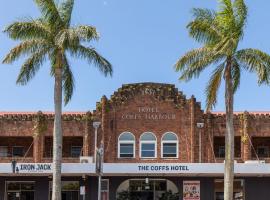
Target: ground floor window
point(147, 189)
point(70, 190)
point(20, 190)
point(105, 189)
point(238, 189)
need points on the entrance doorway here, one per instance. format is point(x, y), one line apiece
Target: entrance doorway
point(20, 190)
point(147, 189)
point(70, 190)
point(238, 189)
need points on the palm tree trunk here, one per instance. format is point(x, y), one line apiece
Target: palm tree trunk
point(57, 136)
point(229, 138)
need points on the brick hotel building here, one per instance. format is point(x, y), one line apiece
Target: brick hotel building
point(156, 141)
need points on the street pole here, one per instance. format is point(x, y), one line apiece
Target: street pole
point(200, 126)
point(100, 170)
point(99, 186)
point(84, 185)
point(96, 126)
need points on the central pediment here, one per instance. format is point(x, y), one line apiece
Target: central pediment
point(158, 91)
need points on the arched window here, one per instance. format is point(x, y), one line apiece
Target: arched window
point(148, 145)
point(126, 145)
point(169, 145)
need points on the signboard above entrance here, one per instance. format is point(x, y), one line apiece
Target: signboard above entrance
point(149, 113)
point(183, 169)
point(45, 168)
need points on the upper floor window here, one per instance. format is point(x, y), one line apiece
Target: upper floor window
point(148, 145)
point(169, 145)
point(126, 145)
point(76, 151)
point(3, 151)
point(17, 151)
point(263, 151)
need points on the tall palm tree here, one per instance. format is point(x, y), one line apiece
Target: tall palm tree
point(52, 37)
point(220, 32)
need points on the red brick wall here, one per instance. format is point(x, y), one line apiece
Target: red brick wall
point(129, 100)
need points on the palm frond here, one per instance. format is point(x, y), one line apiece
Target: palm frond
point(31, 66)
point(27, 30)
point(241, 11)
point(213, 86)
point(204, 14)
point(225, 17)
point(204, 28)
point(195, 61)
point(236, 75)
point(68, 81)
point(24, 48)
point(73, 36)
point(50, 12)
point(227, 46)
point(254, 60)
point(86, 33)
point(93, 57)
point(191, 57)
point(65, 11)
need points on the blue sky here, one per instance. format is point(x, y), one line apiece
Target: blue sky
point(142, 39)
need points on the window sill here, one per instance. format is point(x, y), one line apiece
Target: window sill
point(148, 158)
point(169, 158)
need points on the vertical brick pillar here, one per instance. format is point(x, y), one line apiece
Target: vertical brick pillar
point(37, 154)
point(40, 126)
point(87, 134)
point(245, 142)
point(192, 130)
point(210, 139)
point(103, 115)
point(104, 123)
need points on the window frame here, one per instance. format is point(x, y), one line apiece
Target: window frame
point(7, 155)
point(148, 142)
point(133, 142)
point(266, 149)
point(221, 148)
point(75, 147)
point(170, 142)
point(20, 147)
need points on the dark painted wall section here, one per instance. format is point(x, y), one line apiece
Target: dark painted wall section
point(257, 188)
point(92, 188)
point(42, 188)
point(2, 188)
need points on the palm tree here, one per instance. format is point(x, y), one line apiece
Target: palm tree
point(52, 37)
point(220, 32)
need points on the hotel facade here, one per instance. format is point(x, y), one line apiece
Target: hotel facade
point(157, 144)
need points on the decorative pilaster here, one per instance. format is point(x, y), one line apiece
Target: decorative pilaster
point(87, 132)
point(104, 122)
point(40, 126)
point(192, 129)
point(245, 138)
point(210, 139)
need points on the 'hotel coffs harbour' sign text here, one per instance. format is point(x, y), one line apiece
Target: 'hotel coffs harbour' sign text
point(149, 113)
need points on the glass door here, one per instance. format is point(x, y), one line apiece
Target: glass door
point(70, 190)
point(20, 190)
point(13, 195)
point(238, 189)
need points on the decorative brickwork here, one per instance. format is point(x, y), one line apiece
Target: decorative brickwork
point(136, 108)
